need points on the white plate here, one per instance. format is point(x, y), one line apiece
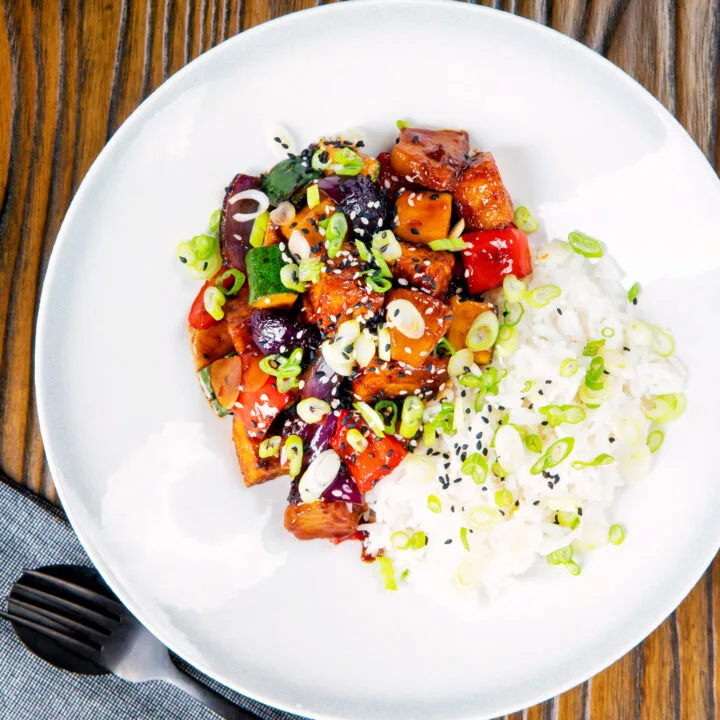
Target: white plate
point(147, 474)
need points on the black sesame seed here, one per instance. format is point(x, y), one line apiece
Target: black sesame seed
point(414, 231)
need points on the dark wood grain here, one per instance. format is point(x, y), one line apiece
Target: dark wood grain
point(71, 71)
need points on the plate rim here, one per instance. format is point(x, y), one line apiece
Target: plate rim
point(135, 120)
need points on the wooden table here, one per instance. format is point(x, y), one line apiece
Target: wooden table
point(72, 70)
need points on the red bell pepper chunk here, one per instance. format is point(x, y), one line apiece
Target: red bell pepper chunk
point(199, 317)
point(257, 408)
point(381, 456)
point(493, 254)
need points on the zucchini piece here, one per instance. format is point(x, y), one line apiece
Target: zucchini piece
point(266, 288)
point(220, 382)
point(287, 179)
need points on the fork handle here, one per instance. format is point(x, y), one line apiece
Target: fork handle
point(212, 700)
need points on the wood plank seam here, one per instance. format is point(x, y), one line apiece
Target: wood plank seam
point(119, 52)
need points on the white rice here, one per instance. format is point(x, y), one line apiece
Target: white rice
point(593, 297)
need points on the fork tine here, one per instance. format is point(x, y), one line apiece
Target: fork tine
point(43, 600)
point(62, 623)
point(86, 650)
point(78, 591)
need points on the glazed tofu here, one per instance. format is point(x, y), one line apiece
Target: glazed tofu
point(431, 158)
point(464, 313)
point(210, 344)
point(340, 296)
point(396, 380)
point(422, 217)
point(436, 316)
point(320, 519)
point(481, 199)
point(307, 222)
point(255, 470)
point(424, 269)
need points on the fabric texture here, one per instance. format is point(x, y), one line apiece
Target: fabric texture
point(34, 533)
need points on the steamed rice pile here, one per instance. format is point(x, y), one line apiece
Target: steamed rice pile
point(437, 524)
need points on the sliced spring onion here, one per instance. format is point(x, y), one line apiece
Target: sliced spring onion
point(554, 414)
point(585, 245)
point(286, 384)
point(364, 348)
point(457, 229)
point(524, 220)
point(476, 467)
point(655, 439)
point(461, 362)
point(290, 278)
point(573, 568)
point(283, 214)
point(464, 538)
point(665, 408)
point(402, 124)
point(593, 398)
point(434, 504)
point(602, 459)
point(298, 246)
point(271, 364)
point(406, 318)
point(363, 251)
point(357, 440)
point(312, 410)
point(387, 245)
point(633, 293)
point(319, 475)
point(335, 233)
point(201, 256)
point(593, 347)
point(371, 417)
point(293, 451)
point(383, 342)
point(662, 342)
point(554, 455)
point(444, 419)
point(262, 200)
point(449, 244)
point(527, 387)
point(400, 540)
point(213, 300)
point(513, 313)
point(608, 332)
point(387, 572)
point(238, 281)
point(594, 376)
point(215, 219)
point(542, 296)
point(379, 260)
point(483, 518)
point(560, 556)
point(270, 446)
point(257, 234)
point(470, 380)
point(429, 435)
point(320, 159)
point(378, 283)
point(573, 414)
point(445, 345)
point(296, 356)
point(513, 288)
point(504, 498)
point(568, 518)
point(418, 540)
point(388, 412)
point(411, 416)
point(506, 341)
point(346, 162)
point(616, 534)
point(534, 443)
point(313, 195)
point(310, 270)
point(568, 367)
point(483, 332)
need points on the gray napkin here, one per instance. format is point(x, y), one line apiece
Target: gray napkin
point(34, 533)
